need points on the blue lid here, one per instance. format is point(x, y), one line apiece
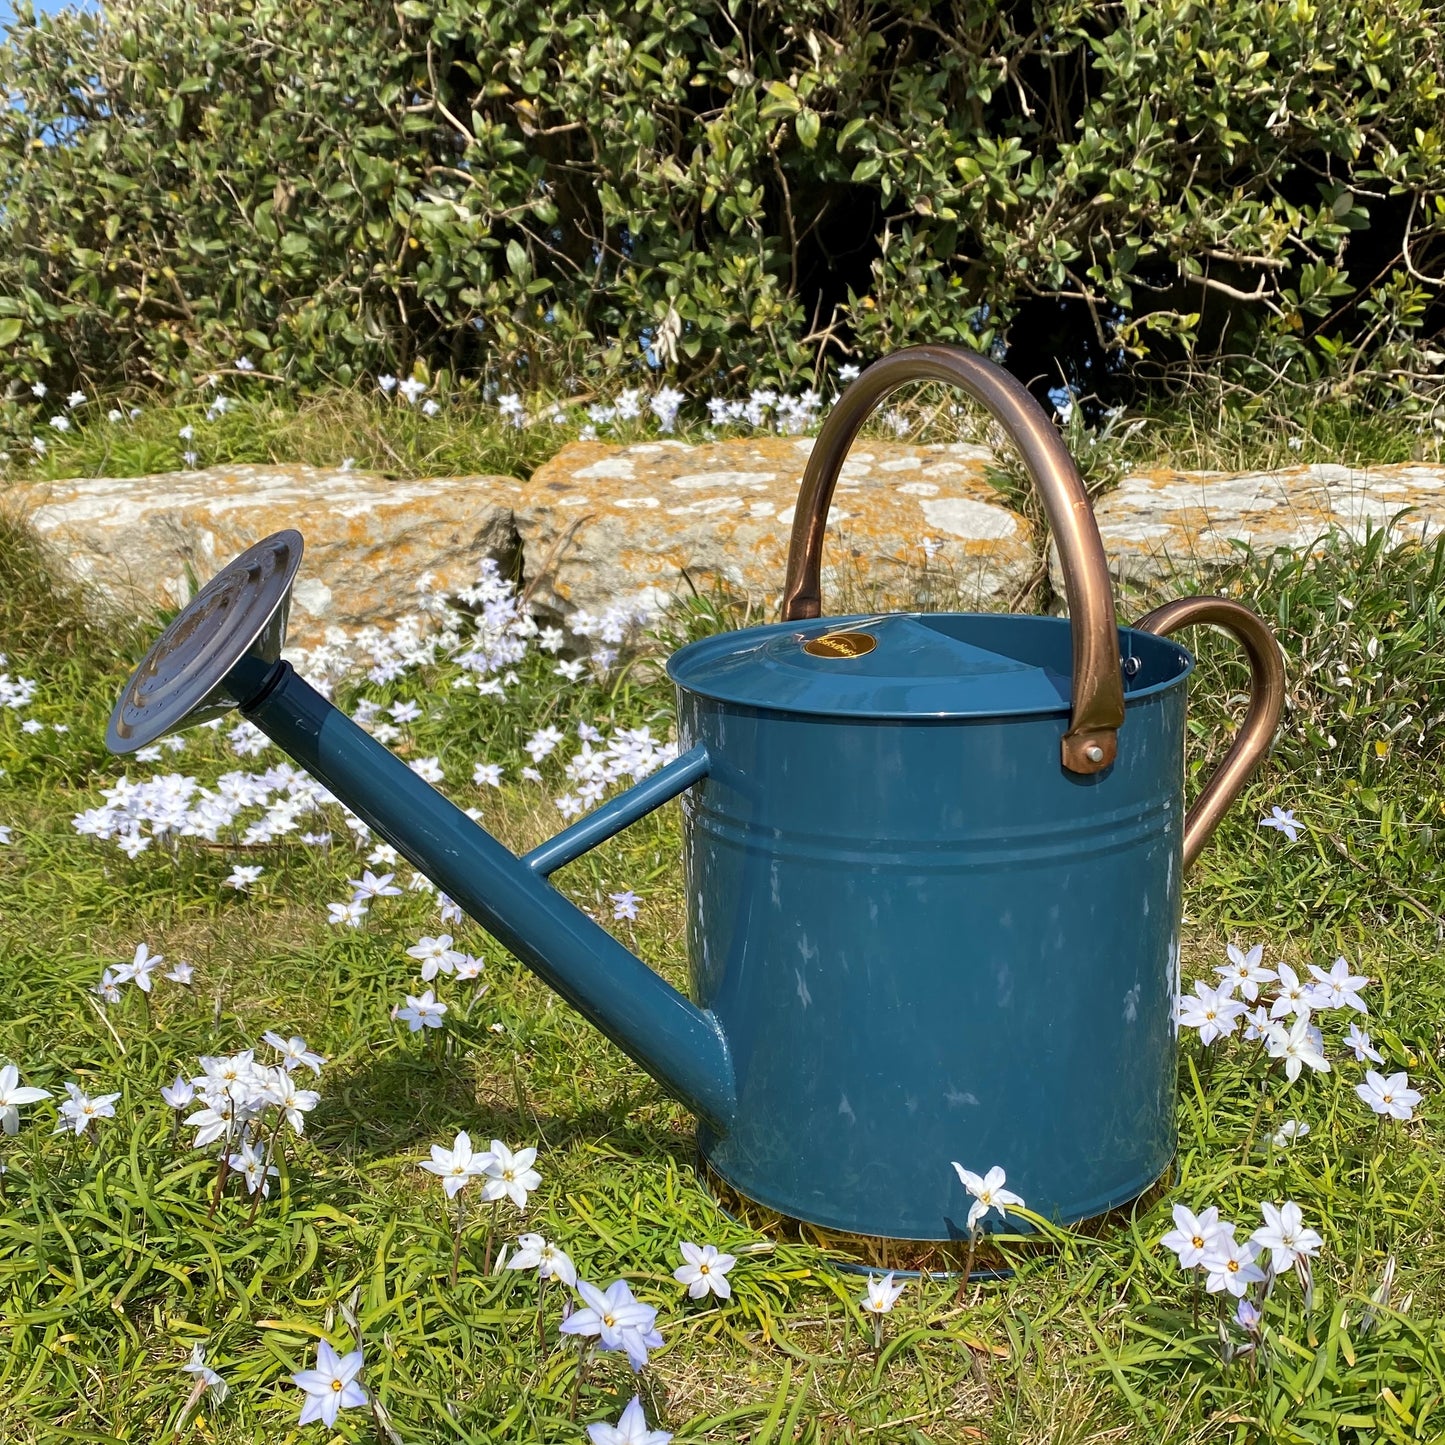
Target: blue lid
point(910, 664)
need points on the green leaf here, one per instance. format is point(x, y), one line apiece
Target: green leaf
point(808, 125)
point(781, 100)
point(10, 329)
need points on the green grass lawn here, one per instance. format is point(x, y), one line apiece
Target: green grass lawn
point(113, 1263)
point(464, 431)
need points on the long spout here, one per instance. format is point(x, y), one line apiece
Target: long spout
point(679, 1044)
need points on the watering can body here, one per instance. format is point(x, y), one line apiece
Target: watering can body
point(926, 941)
point(933, 863)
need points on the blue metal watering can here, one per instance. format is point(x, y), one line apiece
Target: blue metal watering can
point(933, 861)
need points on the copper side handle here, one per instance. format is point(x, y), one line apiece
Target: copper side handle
point(1098, 692)
point(1266, 701)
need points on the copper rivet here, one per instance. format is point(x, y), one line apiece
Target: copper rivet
point(1094, 753)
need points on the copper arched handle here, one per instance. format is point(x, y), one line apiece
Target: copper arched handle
point(1098, 692)
point(1266, 701)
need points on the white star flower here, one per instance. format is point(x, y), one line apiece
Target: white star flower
point(12, 1095)
point(138, 971)
point(294, 1053)
point(1392, 1096)
point(1283, 820)
point(548, 1260)
point(211, 1381)
point(458, 1166)
point(80, 1111)
point(705, 1270)
point(630, 1429)
point(619, 1321)
point(1245, 972)
point(436, 955)
point(1231, 1266)
point(1297, 1046)
point(988, 1192)
point(1338, 988)
point(1213, 1011)
point(510, 1175)
point(1193, 1234)
point(1285, 1235)
point(331, 1387)
point(880, 1295)
point(1294, 995)
point(422, 1013)
point(1359, 1044)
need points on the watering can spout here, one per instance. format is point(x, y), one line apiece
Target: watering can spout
point(223, 651)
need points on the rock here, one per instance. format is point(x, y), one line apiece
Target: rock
point(1163, 524)
point(150, 541)
point(602, 523)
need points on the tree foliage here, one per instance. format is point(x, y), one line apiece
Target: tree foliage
point(550, 193)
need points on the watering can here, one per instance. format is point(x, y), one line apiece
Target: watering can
point(933, 862)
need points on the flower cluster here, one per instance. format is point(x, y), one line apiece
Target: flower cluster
point(437, 957)
point(1207, 1243)
point(1283, 1021)
point(138, 972)
point(487, 640)
point(764, 409)
point(614, 1318)
point(170, 806)
point(17, 692)
point(245, 1104)
point(769, 410)
point(505, 1174)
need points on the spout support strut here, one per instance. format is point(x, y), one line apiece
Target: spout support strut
point(679, 1044)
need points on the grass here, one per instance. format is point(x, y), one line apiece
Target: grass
point(267, 423)
point(110, 1268)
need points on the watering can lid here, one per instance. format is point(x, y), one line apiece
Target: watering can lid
point(899, 665)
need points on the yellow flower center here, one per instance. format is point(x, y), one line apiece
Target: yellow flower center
point(1233, 1266)
point(609, 1320)
point(336, 1385)
point(1197, 1242)
point(702, 1269)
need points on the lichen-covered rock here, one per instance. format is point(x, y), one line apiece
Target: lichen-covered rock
point(910, 525)
point(154, 540)
point(1161, 524)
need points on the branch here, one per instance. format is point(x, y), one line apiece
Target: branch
point(1405, 248)
point(437, 100)
point(1258, 294)
point(1271, 263)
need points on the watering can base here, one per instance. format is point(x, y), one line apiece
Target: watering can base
point(939, 1258)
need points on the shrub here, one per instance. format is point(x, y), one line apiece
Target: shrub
point(552, 193)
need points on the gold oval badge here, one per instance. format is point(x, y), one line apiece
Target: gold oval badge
point(840, 644)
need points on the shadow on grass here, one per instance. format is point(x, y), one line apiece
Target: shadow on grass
point(403, 1101)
